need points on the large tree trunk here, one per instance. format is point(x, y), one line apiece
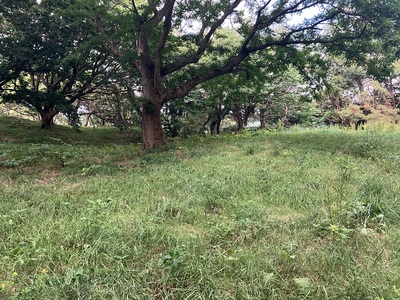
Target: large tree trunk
point(152, 130)
point(46, 117)
point(153, 98)
point(46, 122)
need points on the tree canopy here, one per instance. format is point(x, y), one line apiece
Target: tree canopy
point(175, 39)
point(172, 46)
point(51, 56)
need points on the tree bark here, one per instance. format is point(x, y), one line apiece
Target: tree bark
point(239, 117)
point(213, 126)
point(119, 118)
point(46, 121)
point(218, 126)
point(152, 130)
point(247, 112)
point(87, 119)
point(240, 123)
point(262, 118)
point(241, 114)
point(216, 119)
point(46, 117)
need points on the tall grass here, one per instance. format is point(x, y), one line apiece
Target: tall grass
point(311, 214)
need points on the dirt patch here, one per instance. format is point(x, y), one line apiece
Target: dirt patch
point(126, 164)
point(47, 178)
point(5, 181)
point(187, 229)
point(278, 214)
point(97, 160)
point(70, 186)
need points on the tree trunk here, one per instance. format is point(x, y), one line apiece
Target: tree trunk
point(262, 118)
point(46, 122)
point(240, 123)
point(213, 126)
point(152, 130)
point(247, 112)
point(216, 119)
point(218, 126)
point(153, 98)
point(119, 118)
point(87, 119)
point(239, 117)
point(46, 118)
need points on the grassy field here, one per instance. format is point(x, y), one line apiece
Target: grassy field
point(306, 214)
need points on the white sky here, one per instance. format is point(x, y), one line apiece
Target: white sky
point(308, 13)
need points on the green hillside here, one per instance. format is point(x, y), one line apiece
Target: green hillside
point(306, 214)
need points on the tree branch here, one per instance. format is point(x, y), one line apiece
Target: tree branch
point(168, 9)
point(185, 88)
point(203, 43)
point(135, 10)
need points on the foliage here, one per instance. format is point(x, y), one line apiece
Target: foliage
point(60, 58)
point(175, 46)
point(350, 94)
point(123, 60)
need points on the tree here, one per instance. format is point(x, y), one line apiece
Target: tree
point(170, 39)
point(373, 70)
point(51, 56)
point(267, 84)
point(353, 95)
point(285, 96)
point(113, 102)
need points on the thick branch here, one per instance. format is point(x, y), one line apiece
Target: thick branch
point(262, 23)
point(203, 43)
point(160, 14)
point(184, 89)
point(135, 10)
point(169, 5)
point(286, 40)
point(111, 46)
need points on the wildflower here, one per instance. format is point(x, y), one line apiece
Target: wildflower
point(44, 271)
point(14, 274)
point(334, 228)
point(3, 285)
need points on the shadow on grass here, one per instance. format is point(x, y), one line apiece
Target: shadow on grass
point(15, 130)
